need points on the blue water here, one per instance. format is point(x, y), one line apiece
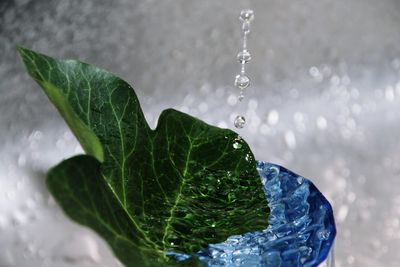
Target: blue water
point(301, 230)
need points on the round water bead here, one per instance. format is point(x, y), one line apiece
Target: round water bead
point(247, 15)
point(240, 121)
point(242, 81)
point(244, 56)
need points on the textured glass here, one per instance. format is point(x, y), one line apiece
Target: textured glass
point(301, 230)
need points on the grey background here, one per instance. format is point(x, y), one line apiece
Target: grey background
point(324, 102)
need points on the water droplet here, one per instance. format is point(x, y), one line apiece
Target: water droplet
point(238, 142)
point(241, 96)
point(323, 234)
point(247, 15)
point(240, 121)
point(244, 56)
point(300, 180)
point(237, 145)
point(242, 81)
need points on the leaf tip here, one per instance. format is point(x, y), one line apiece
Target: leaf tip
point(22, 50)
point(27, 54)
point(24, 55)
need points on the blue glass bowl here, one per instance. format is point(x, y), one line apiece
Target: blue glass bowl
point(301, 227)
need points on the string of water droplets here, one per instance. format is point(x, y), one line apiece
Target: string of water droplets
point(242, 81)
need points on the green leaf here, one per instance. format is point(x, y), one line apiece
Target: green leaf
point(177, 188)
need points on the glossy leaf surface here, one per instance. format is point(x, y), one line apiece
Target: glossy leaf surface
point(177, 188)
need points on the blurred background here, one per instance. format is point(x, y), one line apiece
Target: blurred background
point(324, 102)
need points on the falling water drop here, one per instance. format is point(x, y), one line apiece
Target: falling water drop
point(242, 81)
point(240, 121)
point(243, 56)
point(247, 15)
